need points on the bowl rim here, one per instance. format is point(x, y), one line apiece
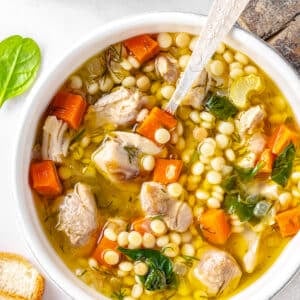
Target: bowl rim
point(36, 240)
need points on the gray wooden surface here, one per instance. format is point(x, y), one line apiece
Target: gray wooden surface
point(277, 22)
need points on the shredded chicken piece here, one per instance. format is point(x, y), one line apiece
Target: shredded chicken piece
point(250, 119)
point(166, 67)
point(154, 198)
point(250, 259)
point(198, 92)
point(78, 215)
point(179, 216)
point(120, 108)
point(56, 140)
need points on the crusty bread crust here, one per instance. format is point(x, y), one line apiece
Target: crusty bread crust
point(39, 284)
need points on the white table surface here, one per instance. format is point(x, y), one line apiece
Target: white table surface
point(55, 25)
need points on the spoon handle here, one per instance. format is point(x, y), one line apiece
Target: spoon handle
point(222, 16)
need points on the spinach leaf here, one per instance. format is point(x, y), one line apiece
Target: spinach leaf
point(20, 60)
point(235, 204)
point(247, 174)
point(221, 107)
point(160, 274)
point(283, 165)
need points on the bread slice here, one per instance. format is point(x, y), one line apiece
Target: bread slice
point(19, 280)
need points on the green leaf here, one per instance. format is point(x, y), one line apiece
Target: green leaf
point(283, 165)
point(221, 107)
point(20, 60)
point(247, 174)
point(230, 183)
point(233, 204)
point(160, 274)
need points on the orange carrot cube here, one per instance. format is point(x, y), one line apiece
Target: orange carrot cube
point(44, 178)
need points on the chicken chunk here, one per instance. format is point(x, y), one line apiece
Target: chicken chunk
point(257, 143)
point(154, 198)
point(251, 257)
point(251, 119)
point(56, 139)
point(179, 215)
point(156, 201)
point(167, 68)
point(119, 108)
point(117, 157)
point(77, 216)
point(198, 92)
point(218, 272)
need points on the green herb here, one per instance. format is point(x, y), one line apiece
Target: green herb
point(102, 272)
point(132, 152)
point(115, 52)
point(230, 183)
point(82, 273)
point(51, 216)
point(221, 107)
point(236, 137)
point(283, 165)
point(247, 174)
point(20, 60)
point(233, 204)
point(193, 159)
point(251, 199)
point(113, 58)
point(119, 295)
point(189, 260)
point(77, 136)
point(160, 274)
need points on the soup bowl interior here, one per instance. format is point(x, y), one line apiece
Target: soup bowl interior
point(282, 74)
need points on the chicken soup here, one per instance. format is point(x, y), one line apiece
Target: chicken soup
point(142, 204)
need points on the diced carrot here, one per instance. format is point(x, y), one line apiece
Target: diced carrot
point(280, 139)
point(289, 221)
point(44, 178)
point(142, 225)
point(69, 108)
point(167, 170)
point(267, 160)
point(215, 226)
point(143, 47)
point(156, 119)
point(105, 245)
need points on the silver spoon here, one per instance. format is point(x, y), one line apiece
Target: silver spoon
point(222, 16)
